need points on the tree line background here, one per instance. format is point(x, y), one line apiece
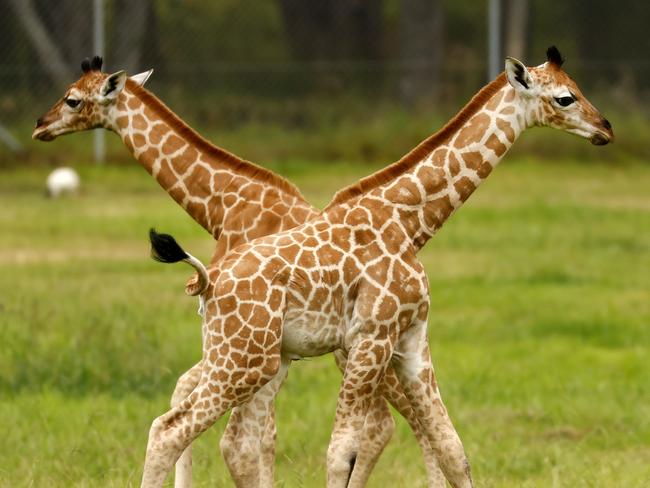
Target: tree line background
point(295, 63)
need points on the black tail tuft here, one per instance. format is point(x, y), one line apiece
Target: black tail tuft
point(164, 248)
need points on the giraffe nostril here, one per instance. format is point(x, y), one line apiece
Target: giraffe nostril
point(606, 124)
point(39, 122)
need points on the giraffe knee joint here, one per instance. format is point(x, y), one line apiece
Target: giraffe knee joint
point(185, 384)
point(179, 394)
point(156, 432)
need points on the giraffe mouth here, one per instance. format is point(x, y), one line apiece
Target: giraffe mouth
point(42, 134)
point(600, 139)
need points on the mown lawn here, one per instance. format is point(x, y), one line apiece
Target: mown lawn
point(540, 331)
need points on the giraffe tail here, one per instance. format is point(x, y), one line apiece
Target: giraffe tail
point(165, 249)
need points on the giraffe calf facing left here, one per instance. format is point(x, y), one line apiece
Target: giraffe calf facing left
point(235, 201)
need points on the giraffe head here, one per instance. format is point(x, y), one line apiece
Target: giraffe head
point(553, 99)
point(87, 103)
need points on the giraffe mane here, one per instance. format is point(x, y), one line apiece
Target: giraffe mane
point(420, 151)
point(234, 162)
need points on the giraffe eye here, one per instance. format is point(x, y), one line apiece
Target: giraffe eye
point(564, 101)
point(72, 102)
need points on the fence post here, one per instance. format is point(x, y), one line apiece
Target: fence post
point(9, 140)
point(98, 44)
point(494, 39)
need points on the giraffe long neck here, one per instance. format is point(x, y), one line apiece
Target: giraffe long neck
point(231, 198)
point(423, 190)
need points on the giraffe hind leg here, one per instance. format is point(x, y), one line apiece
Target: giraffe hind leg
point(248, 444)
point(173, 431)
point(184, 386)
point(250, 459)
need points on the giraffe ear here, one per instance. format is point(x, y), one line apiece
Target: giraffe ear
point(518, 76)
point(112, 86)
point(141, 78)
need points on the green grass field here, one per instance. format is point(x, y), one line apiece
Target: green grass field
point(540, 331)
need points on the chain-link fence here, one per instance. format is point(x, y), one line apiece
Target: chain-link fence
point(232, 61)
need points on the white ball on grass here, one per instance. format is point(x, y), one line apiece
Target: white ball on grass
point(62, 181)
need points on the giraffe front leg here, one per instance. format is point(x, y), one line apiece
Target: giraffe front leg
point(184, 386)
point(267, 457)
point(412, 362)
point(378, 429)
point(379, 426)
point(248, 443)
point(393, 392)
point(366, 364)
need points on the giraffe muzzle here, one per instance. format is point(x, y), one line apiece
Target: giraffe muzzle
point(599, 139)
point(40, 131)
point(605, 134)
point(42, 134)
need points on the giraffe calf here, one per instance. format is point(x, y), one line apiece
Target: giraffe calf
point(236, 202)
point(249, 339)
point(350, 279)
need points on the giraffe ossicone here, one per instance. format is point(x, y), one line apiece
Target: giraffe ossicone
point(349, 279)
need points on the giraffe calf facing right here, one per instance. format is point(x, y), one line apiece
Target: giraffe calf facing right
point(350, 279)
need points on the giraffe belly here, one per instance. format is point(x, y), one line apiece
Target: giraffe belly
point(309, 333)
